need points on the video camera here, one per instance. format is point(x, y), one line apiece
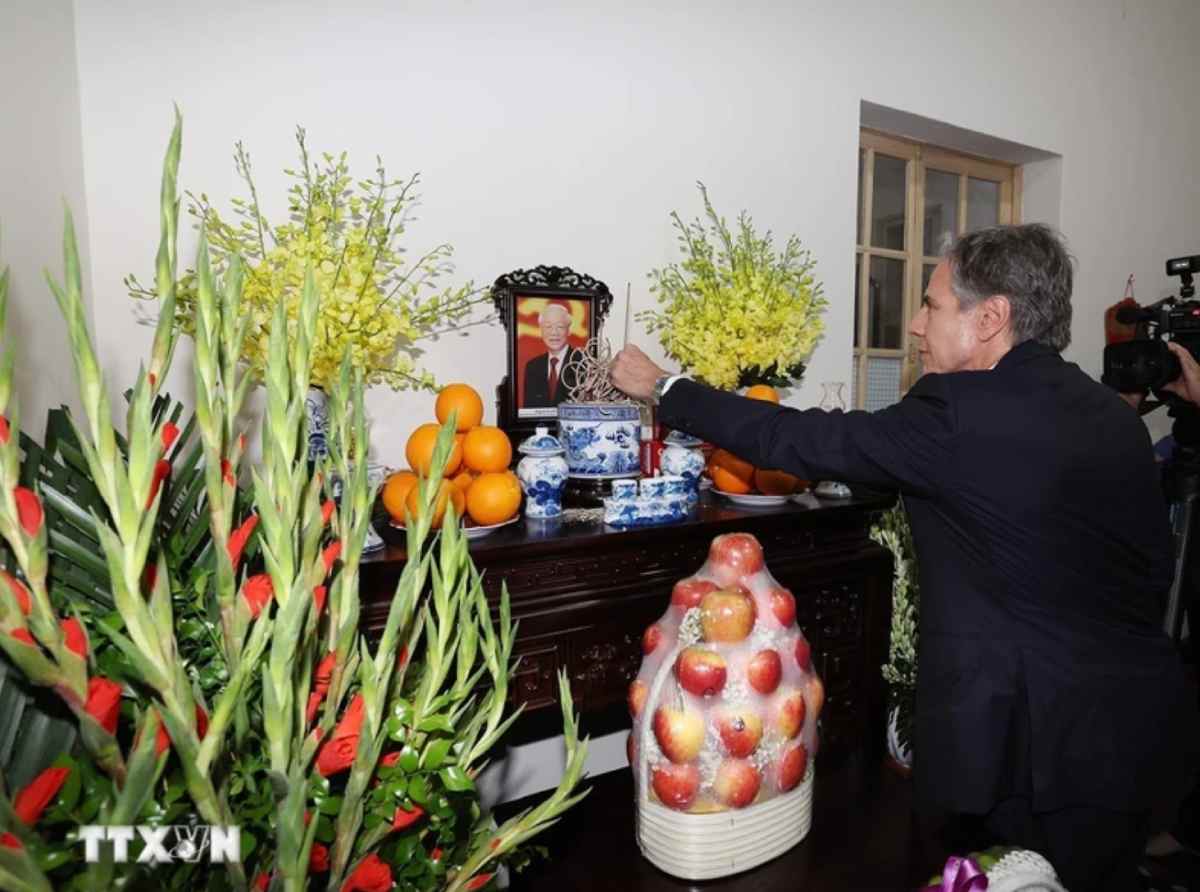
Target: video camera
point(1145, 363)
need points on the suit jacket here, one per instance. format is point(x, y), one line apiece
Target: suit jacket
point(1044, 552)
point(537, 380)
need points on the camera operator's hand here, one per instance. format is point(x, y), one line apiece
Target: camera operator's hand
point(1187, 385)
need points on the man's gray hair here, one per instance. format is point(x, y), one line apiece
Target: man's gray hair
point(546, 309)
point(1027, 264)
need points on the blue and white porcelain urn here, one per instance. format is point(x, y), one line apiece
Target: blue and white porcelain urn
point(683, 457)
point(542, 472)
point(601, 439)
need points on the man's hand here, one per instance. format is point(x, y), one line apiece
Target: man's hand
point(1187, 385)
point(634, 373)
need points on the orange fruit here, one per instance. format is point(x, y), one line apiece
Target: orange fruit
point(419, 450)
point(447, 492)
point(775, 483)
point(493, 498)
point(760, 392)
point(487, 449)
point(730, 473)
point(463, 479)
point(465, 399)
point(395, 491)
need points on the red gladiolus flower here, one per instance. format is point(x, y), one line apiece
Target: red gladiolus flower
point(257, 590)
point(314, 704)
point(371, 875)
point(201, 721)
point(404, 818)
point(4, 433)
point(9, 841)
point(227, 473)
point(318, 858)
point(104, 702)
point(162, 470)
point(323, 676)
point(389, 759)
point(336, 755)
point(351, 723)
point(327, 511)
point(23, 636)
point(480, 881)
point(162, 739)
point(319, 598)
point(169, 433)
point(32, 800)
point(237, 541)
point(29, 510)
point(436, 854)
point(24, 603)
point(75, 637)
point(262, 882)
point(331, 554)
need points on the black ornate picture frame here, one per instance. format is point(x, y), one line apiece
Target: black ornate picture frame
point(556, 284)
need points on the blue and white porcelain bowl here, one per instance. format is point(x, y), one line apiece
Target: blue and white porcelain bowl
point(600, 439)
point(543, 473)
point(683, 457)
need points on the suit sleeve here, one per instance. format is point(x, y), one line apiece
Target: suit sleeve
point(904, 446)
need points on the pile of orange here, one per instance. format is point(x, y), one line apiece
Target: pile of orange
point(736, 475)
point(476, 480)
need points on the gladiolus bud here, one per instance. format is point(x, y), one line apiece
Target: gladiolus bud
point(75, 637)
point(319, 598)
point(104, 702)
point(480, 881)
point(169, 433)
point(4, 432)
point(162, 739)
point(403, 819)
point(318, 858)
point(327, 511)
point(162, 470)
point(237, 541)
point(24, 603)
point(262, 882)
point(23, 636)
point(324, 672)
point(257, 590)
point(9, 841)
point(32, 800)
point(331, 554)
point(29, 510)
point(227, 473)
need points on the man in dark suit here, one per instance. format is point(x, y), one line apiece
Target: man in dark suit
point(549, 375)
point(1050, 704)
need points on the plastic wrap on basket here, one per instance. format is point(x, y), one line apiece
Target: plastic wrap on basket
point(725, 710)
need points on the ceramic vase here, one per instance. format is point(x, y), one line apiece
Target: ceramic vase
point(684, 458)
point(542, 472)
point(600, 440)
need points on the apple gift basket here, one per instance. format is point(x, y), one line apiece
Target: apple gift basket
point(725, 710)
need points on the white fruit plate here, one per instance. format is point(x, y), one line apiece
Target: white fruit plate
point(480, 532)
point(752, 500)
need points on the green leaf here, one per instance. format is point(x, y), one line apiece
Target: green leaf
point(325, 832)
point(330, 805)
point(249, 843)
point(403, 711)
point(49, 859)
point(456, 779)
point(418, 789)
point(409, 759)
point(435, 753)
point(437, 722)
point(69, 794)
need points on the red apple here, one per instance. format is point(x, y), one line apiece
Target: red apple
point(740, 729)
point(726, 616)
point(737, 783)
point(688, 592)
point(734, 556)
point(651, 638)
point(814, 695)
point(803, 654)
point(764, 671)
point(783, 605)
point(637, 697)
point(787, 713)
point(791, 768)
point(700, 672)
point(679, 732)
point(675, 785)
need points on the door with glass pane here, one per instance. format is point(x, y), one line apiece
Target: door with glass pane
point(913, 200)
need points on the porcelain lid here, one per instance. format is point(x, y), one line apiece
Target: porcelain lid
point(541, 443)
point(679, 438)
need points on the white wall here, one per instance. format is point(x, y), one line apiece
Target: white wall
point(41, 166)
point(565, 133)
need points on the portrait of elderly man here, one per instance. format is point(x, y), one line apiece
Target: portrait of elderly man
point(1052, 710)
point(548, 375)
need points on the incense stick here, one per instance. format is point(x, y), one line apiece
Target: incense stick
point(625, 343)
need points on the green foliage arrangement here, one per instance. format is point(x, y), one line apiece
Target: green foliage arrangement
point(735, 312)
point(208, 649)
point(892, 531)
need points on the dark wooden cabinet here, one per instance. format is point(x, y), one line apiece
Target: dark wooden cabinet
point(583, 593)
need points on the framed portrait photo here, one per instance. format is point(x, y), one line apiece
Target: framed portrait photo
point(549, 315)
